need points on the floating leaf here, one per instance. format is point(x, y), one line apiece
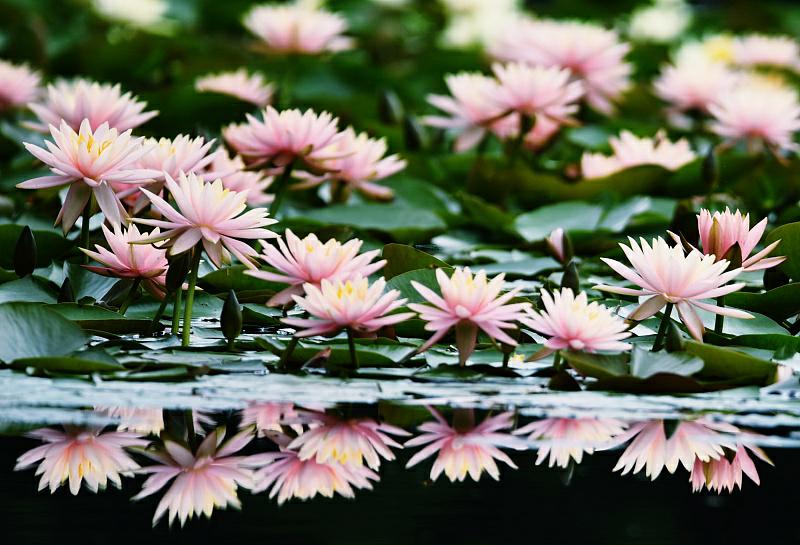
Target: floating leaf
point(401, 259)
point(31, 330)
point(728, 363)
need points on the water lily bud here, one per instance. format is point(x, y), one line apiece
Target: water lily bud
point(390, 109)
point(25, 253)
point(231, 317)
point(559, 245)
point(414, 134)
point(775, 278)
point(570, 279)
point(177, 271)
point(710, 171)
point(66, 294)
point(674, 339)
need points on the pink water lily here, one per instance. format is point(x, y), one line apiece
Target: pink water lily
point(232, 171)
point(560, 440)
point(631, 150)
point(211, 214)
point(693, 83)
point(175, 155)
point(669, 276)
point(465, 448)
point(352, 304)
point(721, 230)
point(78, 455)
point(239, 83)
point(72, 102)
point(468, 302)
point(88, 161)
point(298, 27)
point(723, 474)
point(536, 91)
point(309, 261)
point(755, 50)
point(18, 85)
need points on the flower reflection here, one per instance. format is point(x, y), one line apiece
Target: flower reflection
point(464, 447)
point(563, 438)
point(726, 472)
point(79, 455)
point(268, 417)
point(144, 420)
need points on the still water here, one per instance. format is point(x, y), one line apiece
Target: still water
point(398, 473)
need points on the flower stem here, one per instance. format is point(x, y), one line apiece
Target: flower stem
point(662, 329)
point(159, 313)
point(281, 185)
point(84, 241)
point(131, 294)
point(719, 321)
point(187, 309)
point(557, 365)
point(352, 345)
point(176, 311)
point(288, 351)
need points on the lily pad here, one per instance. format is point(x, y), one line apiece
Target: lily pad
point(31, 330)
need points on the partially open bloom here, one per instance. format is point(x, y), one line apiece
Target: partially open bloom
point(763, 50)
point(283, 137)
point(721, 230)
point(465, 448)
point(474, 109)
point(536, 91)
point(81, 456)
point(758, 113)
point(653, 451)
point(350, 442)
point(557, 246)
point(234, 177)
point(572, 323)
point(251, 88)
point(630, 150)
point(286, 476)
point(268, 417)
point(128, 259)
point(468, 303)
point(693, 83)
point(353, 304)
point(358, 162)
point(211, 214)
point(309, 261)
point(562, 439)
point(18, 85)
point(81, 99)
point(662, 21)
point(144, 420)
point(592, 53)
point(726, 474)
point(479, 23)
point(144, 14)
point(88, 161)
point(298, 27)
point(203, 480)
point(667, 275)
point(175, 155)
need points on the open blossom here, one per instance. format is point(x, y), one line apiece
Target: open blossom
point(203, 480)
point(286, 476)
point(299, 27)
point(693, 83)
point(562, 439)
point(630, 150)
point(571, 322)
point(756, 112)
point(721, 230)
point(138, 13)
point(81, 456)
point(763, 50)
point(99, 103)
point(88, 161)
point(653, 451)
point(352, 304)
point(211, 214)
point(358, 161)
point(723, 474)
point(127, 259)
point(251, 88)
point(538, 91)
point(18, 85)
point(309, 261)
point(268, 417)
point(351, 442)
point(667, 275)
point(175, 155)
point(283, 137)
point(661, 22)
point(474, 109)
point(234, 177)
point(592, 53)
point(468, 303)
point(465, 448)
point(480, 24)
point(144, 420)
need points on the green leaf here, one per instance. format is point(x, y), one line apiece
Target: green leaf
point(645, 364)
point(523, 267)
point(371, 352)
point(94, 318)
point(67, 364)
point(570, 216)
point(485, 214)
point(779, 304)
point(233, 278)
point(789, 235)
point(401, 258)
point(26, 290)
point(402, 282)
point(597, 365)
point(31, 330)
point(86, 284)
point(728, 363)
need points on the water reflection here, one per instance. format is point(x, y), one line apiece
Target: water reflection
point(198, 461)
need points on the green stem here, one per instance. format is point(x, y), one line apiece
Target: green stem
point(176, 311)
point(281, 185)
point(84, 242)
point(288, 351)
point(159, 313)
point(662, 329)
point(187, 308)
point(131, 294)
point(719, 322)
point(352, 345)
point(506, 357)
point(557, 361)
